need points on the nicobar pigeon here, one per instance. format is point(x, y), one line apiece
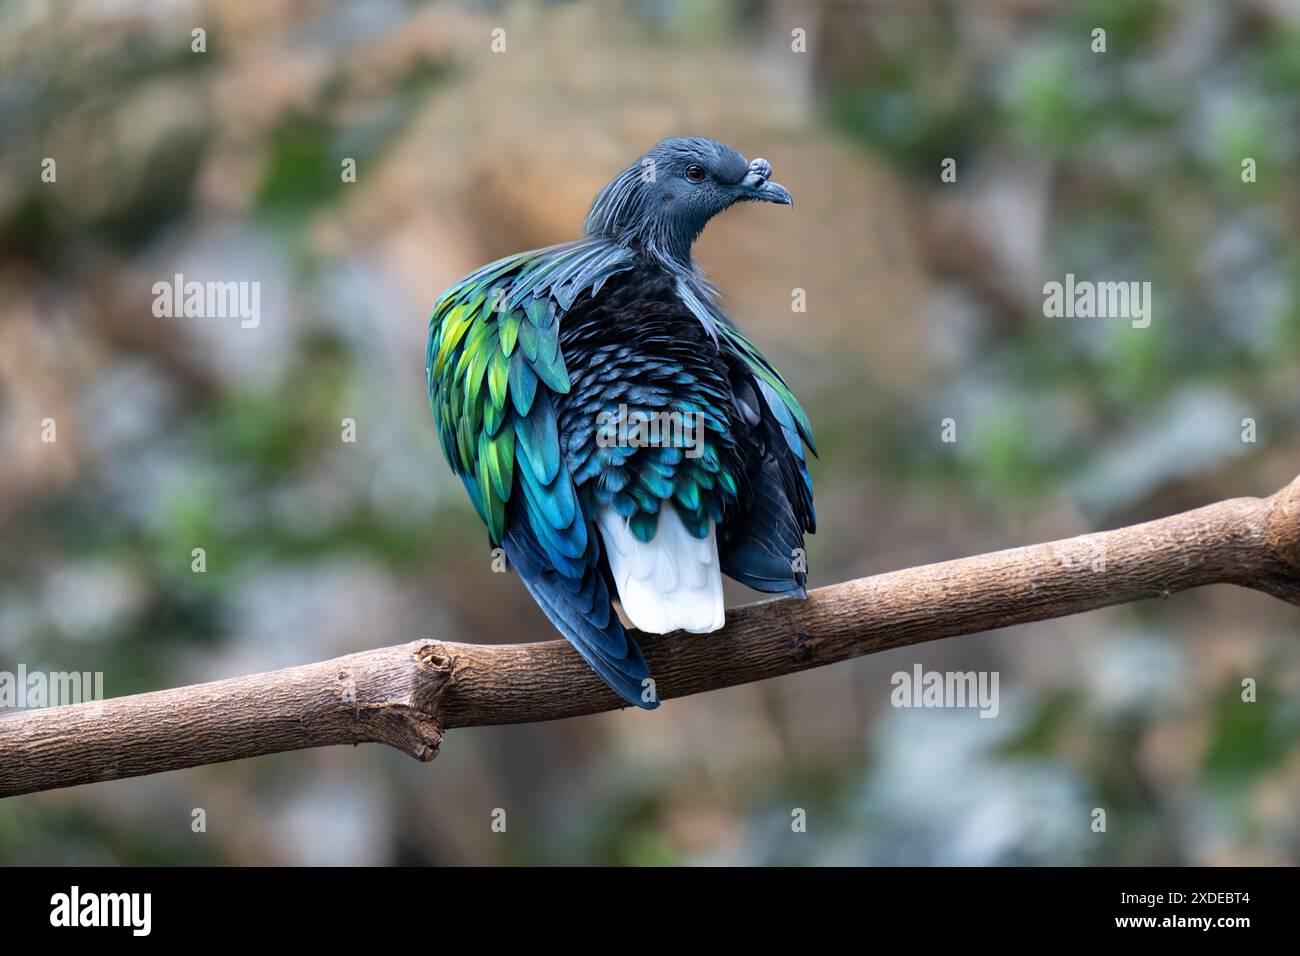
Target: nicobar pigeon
point(531, 358)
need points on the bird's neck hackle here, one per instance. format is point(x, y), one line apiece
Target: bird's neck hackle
point(622, 213)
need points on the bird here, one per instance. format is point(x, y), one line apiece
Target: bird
point(614, 429)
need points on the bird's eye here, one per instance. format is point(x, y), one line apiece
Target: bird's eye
point(695, 173)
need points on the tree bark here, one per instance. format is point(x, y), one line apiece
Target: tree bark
point(407, 696)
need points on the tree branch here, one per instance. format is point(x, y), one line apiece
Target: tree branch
point(408, 695)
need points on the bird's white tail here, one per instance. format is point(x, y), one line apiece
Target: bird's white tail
point(672, 582)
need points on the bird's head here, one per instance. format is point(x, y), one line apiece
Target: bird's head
point(664, 199)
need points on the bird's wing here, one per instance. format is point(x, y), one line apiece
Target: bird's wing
point(494, 365)
point(761, 550)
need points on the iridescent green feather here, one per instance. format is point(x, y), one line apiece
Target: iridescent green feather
point(741, 346)
point(493, 337)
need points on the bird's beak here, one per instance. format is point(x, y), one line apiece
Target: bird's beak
point(759, 186)
point(774, 192)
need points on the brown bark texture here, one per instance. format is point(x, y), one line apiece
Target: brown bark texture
point(408, 696)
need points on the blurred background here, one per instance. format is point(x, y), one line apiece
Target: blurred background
point(924, 302)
